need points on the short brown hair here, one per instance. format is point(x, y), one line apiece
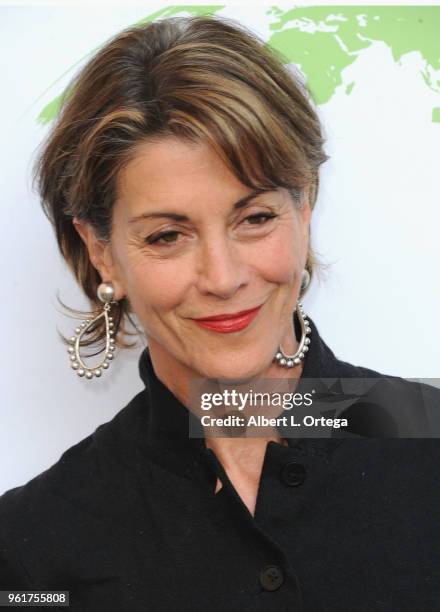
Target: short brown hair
point(201, 78)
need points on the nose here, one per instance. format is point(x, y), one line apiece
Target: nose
point(221, 269)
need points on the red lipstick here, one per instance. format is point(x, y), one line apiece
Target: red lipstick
point(227, 323)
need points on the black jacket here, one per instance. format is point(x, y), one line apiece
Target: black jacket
point(127, 519)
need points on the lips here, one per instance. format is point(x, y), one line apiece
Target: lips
point(227, 323)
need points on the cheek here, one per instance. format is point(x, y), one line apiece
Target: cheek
point(280, 259)
point(157, 286)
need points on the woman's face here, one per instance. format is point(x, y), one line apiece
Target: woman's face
point(184, 248)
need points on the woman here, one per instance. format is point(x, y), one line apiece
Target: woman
point(180, 178)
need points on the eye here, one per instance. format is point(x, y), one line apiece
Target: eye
point(260, 218)
point(163, 238)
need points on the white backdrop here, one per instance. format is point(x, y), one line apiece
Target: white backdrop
point(376, 224)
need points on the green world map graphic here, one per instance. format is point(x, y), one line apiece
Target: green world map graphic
point(324, 40)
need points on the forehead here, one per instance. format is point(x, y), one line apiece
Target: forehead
point(175, 169)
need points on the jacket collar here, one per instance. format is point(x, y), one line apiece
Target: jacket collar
point(170, 421)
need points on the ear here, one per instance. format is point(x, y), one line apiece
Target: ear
point(100, 255)
point(305, 214)
point(306, 209)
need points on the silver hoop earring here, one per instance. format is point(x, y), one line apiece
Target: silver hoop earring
point(105, 293)
point(289, 361)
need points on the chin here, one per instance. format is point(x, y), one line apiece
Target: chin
point(232, 372)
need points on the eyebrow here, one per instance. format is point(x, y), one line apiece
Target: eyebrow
point(178, 217)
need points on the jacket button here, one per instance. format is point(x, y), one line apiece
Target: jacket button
point(293, 474)
point(271, 578)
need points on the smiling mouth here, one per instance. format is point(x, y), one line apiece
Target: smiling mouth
point(227, 323)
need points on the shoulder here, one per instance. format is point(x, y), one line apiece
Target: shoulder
point(73, 501)
point(327, 365)
point(416, 388)
point(374, 403)
point(86, 463)
point(386, 406)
